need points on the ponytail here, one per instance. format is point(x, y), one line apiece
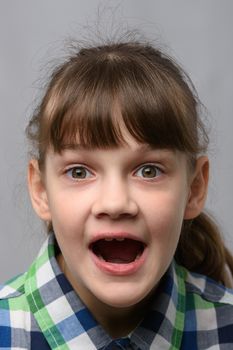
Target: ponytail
point(202, 250)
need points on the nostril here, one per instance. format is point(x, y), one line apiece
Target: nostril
point(115, 209)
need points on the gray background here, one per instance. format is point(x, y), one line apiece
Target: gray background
point(200, 35)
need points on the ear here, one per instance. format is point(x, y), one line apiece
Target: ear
point(198, 188)
point(37, 191)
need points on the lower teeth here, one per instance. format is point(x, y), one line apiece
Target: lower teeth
point(138, 256)
point(101, 258)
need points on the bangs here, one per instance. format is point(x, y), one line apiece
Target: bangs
point(103, 98)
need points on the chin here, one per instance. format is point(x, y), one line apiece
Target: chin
point(123, 298)
point(122, 303)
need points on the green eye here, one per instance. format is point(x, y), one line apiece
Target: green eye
point(148, 171)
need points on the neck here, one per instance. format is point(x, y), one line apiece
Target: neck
point(117, 322)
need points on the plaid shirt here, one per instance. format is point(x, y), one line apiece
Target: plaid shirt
point(39, 310)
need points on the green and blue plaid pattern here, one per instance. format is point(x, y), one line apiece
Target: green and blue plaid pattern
point(39, 310)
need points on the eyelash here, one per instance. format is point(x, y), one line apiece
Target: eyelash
point(157, 169)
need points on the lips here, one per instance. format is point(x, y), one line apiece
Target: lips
point(118, 254)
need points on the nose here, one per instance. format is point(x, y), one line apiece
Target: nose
point(115, 200)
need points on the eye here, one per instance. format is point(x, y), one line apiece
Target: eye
point(148, 171)
point(79, 173)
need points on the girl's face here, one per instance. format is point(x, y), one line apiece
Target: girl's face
point(117, 215)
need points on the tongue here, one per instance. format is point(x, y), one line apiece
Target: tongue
point(118, 252)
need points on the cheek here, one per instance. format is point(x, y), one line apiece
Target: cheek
point(165, 227)
point(164, 215)
point(68, 211)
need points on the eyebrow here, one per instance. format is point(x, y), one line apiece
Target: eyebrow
point(141, 148)
point(71, 146)
point(146, 147)
point(78, 147)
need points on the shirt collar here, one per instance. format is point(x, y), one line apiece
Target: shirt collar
point(67, 324)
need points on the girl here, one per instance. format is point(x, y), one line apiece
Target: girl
point(119, 175)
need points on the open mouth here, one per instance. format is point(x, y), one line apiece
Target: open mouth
point(118, 250)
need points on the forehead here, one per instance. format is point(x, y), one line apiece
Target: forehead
point(124, 139)
point(126, 143)
point(132, 151)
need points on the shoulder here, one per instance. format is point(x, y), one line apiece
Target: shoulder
point(14, 310)
point(12, 288)
point(207, 304)
point(208, 289)
point(208, 321)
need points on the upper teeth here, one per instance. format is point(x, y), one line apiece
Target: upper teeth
point(117, 239)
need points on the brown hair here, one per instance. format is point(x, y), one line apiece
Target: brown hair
point(158, 106)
